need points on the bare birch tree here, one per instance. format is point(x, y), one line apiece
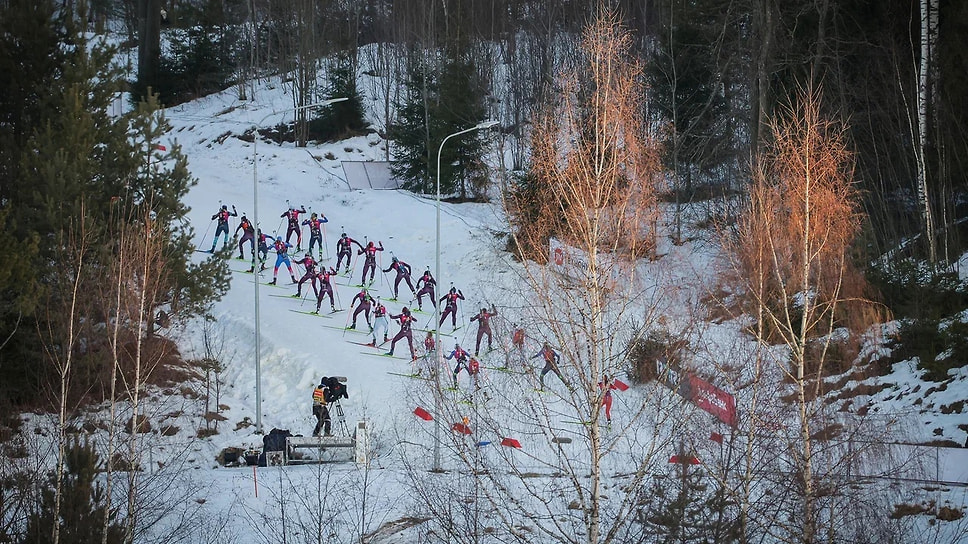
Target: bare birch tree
point(594, 173)
point(61, 339)
point(792, 252)
point(927, 86)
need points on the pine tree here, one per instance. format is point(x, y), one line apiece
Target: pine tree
point(82, 504)
point(433, 107)
point(461, 105)
point(159, 190)
point(682, 509)
point(63, 157)
point(342, 119)
point(688, 90)
point(410, 132)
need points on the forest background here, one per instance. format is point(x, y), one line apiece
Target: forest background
point(718, 74)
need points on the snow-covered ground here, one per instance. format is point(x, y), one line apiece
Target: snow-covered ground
point(243, 504)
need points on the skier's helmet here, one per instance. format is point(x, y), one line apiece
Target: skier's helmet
point(483, 310)
point(278, 238)
point(453, 289)
point(427, 272)
point(395, 259)
point(369, 244)
point(406, 310)
point(314, 216)
point(308, 256)
point(343, 235)
point(224, 207)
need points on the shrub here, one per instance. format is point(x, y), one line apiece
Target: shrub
point(645, 350)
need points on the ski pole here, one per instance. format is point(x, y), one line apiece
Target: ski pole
point(204, 236)
point(382, 273)
point(325, 244)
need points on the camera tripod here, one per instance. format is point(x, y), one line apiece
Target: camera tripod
point(340, 419)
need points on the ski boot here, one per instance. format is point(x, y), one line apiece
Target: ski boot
point(353, 326)
point(273, 282)
point(293, 278)
point(251, 270)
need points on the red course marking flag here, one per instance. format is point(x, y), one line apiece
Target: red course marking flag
point(160, 147)
point(685, 460)
point(423, 414)
point(460, 428)
point(716, 437)
point(620, 385)
point(511, 443)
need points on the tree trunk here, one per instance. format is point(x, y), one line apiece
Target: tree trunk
point(149, 41)
point(929, 32)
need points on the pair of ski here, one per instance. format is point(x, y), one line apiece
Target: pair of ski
point(276, 285)
point(387, 355)
point(452, 331)
point(317, 314)
point(347, 329)
point(411, 376)
point(506, 369)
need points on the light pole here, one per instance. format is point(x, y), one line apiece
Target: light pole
point(255, 218)
point(440, 351)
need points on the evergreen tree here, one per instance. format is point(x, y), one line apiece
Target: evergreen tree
point(342, 119)
point(433, 107)
point(461, 106)
point(682, 509)
point(82, 504)
point(63, 157)
point(158, 190)
point(688, 91)
point(410, 132)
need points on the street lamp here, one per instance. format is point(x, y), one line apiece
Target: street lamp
point(255, 218)
point(440, 351)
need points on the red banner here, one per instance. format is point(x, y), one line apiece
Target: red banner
point(713, 400)
point(700, 392)
point(510, 442)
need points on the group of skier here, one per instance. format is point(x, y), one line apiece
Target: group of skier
point(321, 280)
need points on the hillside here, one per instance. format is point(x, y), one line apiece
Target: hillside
point(242, 504)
